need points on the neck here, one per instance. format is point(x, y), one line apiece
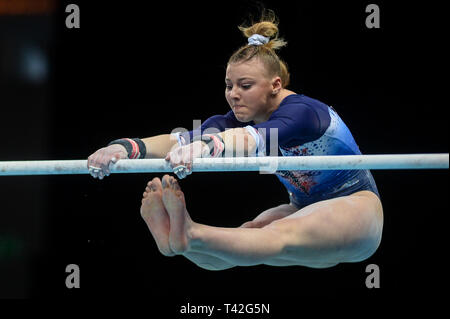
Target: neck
point(275, 102)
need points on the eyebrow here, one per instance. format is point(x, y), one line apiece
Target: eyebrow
point(240, 79)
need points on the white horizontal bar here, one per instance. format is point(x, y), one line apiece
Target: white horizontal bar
point(264, 164)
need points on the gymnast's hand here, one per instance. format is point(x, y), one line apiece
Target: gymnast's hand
point(182, 157)
point(100, 162)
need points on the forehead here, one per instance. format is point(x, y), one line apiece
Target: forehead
point(253, 68)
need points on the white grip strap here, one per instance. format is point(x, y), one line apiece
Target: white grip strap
point(259, 140)
point(180, 139)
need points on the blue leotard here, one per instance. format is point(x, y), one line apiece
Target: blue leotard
point(305, 127)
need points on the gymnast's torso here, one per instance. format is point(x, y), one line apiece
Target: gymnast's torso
point(303, 126)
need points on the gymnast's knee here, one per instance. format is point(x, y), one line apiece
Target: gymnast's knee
point(363, 249)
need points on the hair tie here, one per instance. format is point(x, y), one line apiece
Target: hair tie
point(258, 39)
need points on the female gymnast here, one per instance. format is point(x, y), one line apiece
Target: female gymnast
point(334, 216)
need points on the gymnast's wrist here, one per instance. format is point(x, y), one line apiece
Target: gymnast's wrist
point(134, 147)
point(120, 149)
point(206, 151)
point(212, 145)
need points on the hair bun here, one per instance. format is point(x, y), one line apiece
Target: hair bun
point(266, 27)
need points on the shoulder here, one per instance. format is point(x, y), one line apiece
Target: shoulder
point(299, 105)
point(298, 120)
point(300, 111)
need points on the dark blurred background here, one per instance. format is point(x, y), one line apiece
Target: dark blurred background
point(138, 70)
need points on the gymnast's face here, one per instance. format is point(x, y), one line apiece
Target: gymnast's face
point(248, 90)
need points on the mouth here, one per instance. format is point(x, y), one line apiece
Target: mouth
point(238, 107)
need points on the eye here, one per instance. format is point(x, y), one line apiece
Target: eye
point(246, 86)
point(228, 87)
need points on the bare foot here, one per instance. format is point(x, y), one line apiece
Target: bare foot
point(175, 205)
point(156, 217)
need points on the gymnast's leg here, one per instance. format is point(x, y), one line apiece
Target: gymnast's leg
point(344, 229)
point(270, 215)
point(155, 216)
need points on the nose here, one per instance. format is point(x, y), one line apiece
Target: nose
point(234, 93)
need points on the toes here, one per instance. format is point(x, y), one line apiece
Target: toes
point(174, 184)
point(153, 185)
point(156, 184)
point(165, 181)
point(170, 182)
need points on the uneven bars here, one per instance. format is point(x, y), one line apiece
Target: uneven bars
point(231, 164)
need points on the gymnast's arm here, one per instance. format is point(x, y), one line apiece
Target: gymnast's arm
point(156, 147)
point(238, 142)
point(295, 124)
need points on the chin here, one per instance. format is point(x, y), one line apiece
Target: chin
point(242, 118)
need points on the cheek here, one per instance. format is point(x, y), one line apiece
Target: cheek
point(227, 97)
point(257, 96)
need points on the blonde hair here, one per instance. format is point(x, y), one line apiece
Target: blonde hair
point(268, 27)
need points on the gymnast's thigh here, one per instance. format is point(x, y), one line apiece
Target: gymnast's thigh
point(351, 223)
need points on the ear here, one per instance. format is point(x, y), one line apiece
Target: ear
point(276, 85)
